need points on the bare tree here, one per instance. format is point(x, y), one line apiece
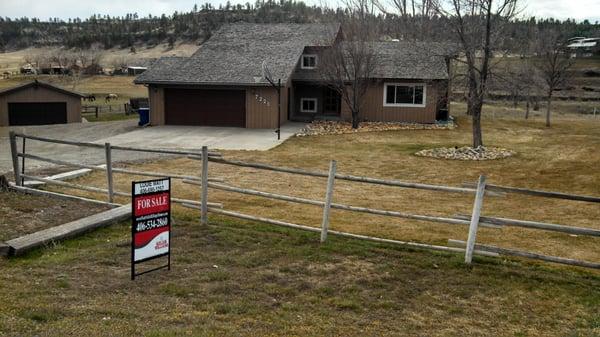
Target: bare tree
point(413, 17)
point(553, 63)
point(347, 66)
point(478, 25)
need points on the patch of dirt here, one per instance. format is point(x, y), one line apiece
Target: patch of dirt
point(317, 128)
point(467, 153)
point(22, 214)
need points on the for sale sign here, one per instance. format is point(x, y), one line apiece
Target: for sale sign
point(151, 222)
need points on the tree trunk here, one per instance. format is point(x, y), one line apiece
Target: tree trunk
point(527, 108)
point(354, 119)
point(548, 109)
point(475, 112)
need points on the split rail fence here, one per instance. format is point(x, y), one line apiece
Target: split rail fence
point(479, 190)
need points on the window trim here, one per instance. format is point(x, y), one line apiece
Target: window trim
point(409, 105)
point(309, 99)
point(308, 55)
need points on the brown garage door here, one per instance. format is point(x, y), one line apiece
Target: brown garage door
point(37, 113)
point(205, 107)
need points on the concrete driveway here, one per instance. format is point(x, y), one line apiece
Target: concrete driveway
point(127, 133)
point(194, 137)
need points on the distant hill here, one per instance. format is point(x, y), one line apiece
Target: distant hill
point(125, 32)
point(131, 30)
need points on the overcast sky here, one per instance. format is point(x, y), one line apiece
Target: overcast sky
point(44, 9)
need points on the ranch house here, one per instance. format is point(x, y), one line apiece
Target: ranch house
point(222, 84)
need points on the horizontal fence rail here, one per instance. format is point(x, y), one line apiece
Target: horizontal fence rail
point(520, 253)
point(114, 147)
point(351, 235)
point(343, 177)
point(338, 206)
point(536, 225)
point(103, 190)
point(540, 193)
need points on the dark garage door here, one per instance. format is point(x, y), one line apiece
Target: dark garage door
point(205, 107)
point(37, 113)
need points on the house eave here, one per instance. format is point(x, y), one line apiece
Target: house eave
point(182, 83)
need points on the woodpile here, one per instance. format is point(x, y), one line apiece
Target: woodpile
point(467, 153)
point(318, 128)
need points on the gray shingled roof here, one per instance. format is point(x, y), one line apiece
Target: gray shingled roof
point(412, 60)
point(402, 60)
point(234, 54)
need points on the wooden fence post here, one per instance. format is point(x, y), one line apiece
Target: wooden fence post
point(109, 173)
point(15, 158)
point(475, 219)
point(23, 162)
point(204, 192)
point(328, 198)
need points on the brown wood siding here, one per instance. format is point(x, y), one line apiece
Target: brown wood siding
point(374, 110)
point(260, 115)
point(156, 96)
point(41, 95)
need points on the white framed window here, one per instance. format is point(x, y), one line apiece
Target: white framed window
point(308, 105)
point(404, 94)
point(309, 61)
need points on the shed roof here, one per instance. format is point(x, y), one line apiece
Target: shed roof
point(235, 53)
point(36, 84)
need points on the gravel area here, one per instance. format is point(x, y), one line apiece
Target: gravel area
point(337, 127)
point(467, 153)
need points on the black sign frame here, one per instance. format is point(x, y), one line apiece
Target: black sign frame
point(134, 225)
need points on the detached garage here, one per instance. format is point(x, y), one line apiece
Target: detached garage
point(38, 103)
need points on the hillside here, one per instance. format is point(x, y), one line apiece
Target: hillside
point(11, 61)
point(195, 26)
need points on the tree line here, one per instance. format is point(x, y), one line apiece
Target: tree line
point(420, 22)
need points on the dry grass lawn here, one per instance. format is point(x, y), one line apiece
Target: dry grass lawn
point(241, 278)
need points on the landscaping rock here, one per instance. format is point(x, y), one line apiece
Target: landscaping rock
point(467, 153)
point(337, 127)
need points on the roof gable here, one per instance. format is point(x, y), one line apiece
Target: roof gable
point(235, 53)
point(36, 84)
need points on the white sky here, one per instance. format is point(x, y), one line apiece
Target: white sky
point(44, 9)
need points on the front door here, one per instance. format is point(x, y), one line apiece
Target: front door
point(331, 102)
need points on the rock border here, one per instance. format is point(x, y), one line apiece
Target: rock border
point(318, 128)
point(467, 153)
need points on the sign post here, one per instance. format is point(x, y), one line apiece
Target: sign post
point(151, 223)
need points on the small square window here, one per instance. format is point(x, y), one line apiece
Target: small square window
point(309, 61)
point(308, 105)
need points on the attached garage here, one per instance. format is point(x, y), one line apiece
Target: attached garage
point(38, 103)
point(206, 107)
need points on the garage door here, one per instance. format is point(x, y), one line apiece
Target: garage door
point(205, 107)
point(37, 113)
